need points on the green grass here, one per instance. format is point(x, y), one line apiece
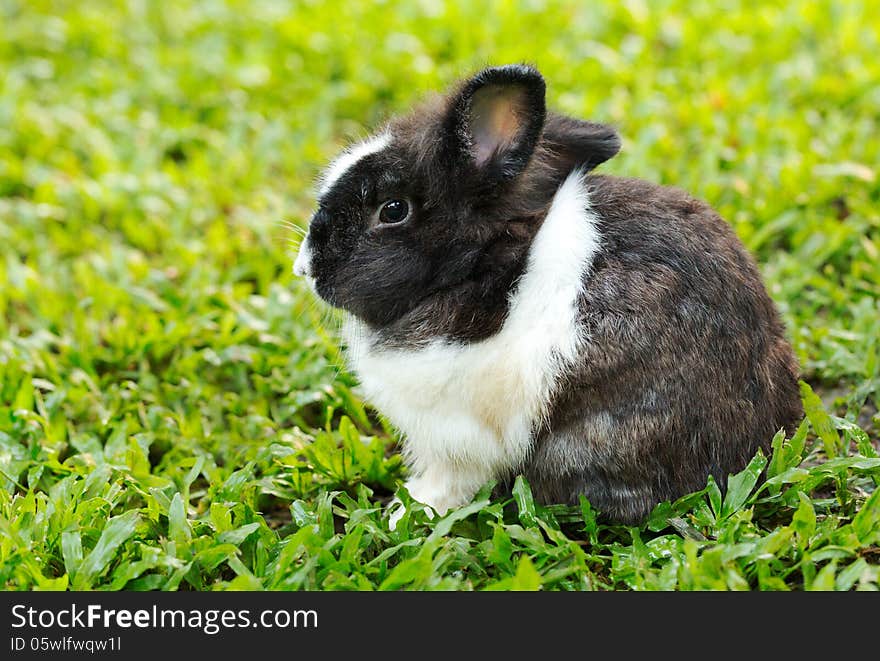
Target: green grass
point(175, 415)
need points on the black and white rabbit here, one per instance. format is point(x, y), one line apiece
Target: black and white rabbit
point(511, 313)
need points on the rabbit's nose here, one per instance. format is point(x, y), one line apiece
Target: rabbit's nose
point(302, 266)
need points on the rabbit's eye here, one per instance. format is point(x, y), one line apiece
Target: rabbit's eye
point(394, 212)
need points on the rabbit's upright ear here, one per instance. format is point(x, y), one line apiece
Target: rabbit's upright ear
point(494, 121)
point(570, 143)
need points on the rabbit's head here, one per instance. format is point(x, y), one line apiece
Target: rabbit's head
point(445, 199)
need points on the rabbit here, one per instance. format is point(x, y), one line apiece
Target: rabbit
point(511, 312)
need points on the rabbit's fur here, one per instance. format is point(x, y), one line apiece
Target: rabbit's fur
point(600, 335)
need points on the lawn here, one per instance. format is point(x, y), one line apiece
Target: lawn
point(174, 407)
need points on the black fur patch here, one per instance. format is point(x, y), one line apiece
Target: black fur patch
point(686, 371)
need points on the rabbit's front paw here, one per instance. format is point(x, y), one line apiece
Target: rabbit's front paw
point(440, 490)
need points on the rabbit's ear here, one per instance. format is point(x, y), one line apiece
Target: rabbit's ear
point(494, 121)
point(570, 143)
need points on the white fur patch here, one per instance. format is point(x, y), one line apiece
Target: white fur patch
point(342, 163)
point(303, 264)
point(467, 412)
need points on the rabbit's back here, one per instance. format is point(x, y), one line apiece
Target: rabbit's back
point(684, 371)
